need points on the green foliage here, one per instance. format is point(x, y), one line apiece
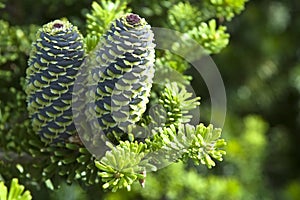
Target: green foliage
point(240, 178)
point(267, 85)
point(6, 42)
point(14, 41)
point(100, 18)
point(199, 143)
point(90, 42)
point(249, 169)
point(118, 173)
point(164, 64)
point(14, 47)
point(16, 191)
point(49, 164)
point(184, 17)
point(294, 77)
point(55, 162)
point(292, 191)
point(212, 38)
point(257, 165)
point(12, 123)
point(193, 21)
point(225, 8)
point(169, 63)
point(125, 163)
point(177, 102)
point(175, 182)
point(153, 9)
point(179, 183)
point(70, 192)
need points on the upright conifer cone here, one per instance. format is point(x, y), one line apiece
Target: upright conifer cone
point(121, 75)
point(54, 61)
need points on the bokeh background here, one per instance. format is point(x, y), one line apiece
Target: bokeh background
point(261, 71)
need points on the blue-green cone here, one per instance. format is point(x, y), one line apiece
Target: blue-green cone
point(54, 61)
point(121, 75)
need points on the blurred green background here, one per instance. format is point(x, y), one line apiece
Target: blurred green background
point(261, 71)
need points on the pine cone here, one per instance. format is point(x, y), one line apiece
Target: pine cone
point(122, 72)
point(54, 61)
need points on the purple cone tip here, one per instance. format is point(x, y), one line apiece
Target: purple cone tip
point(58, 25)
point(133, 19)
